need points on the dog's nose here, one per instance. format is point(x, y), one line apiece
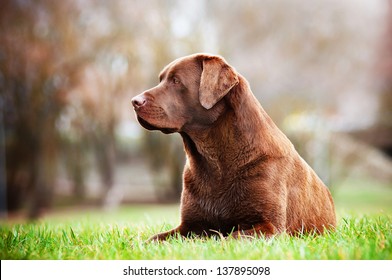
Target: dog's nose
point(138, 101)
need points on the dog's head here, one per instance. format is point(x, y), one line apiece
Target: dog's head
point(189, 94)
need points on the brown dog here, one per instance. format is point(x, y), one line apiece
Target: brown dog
point(242, 176)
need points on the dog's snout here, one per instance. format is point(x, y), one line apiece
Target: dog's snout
point(138, 101)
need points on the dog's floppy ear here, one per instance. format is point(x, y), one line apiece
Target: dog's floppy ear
point(217, 79)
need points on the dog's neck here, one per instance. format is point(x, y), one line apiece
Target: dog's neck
point(242, 125)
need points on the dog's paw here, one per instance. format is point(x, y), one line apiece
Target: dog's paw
point(157, 238)
point(242, 235)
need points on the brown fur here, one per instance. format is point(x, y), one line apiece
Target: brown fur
point(242, 176)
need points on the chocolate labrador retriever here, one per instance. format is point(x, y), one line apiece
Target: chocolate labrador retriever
point(242, 177)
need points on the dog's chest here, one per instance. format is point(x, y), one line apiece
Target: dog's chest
point(223, 205)
point(214, 208)
point(216, 200)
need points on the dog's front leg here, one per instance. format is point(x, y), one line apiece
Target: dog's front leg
point(266, 229)
point(164, 235)
point(181, 230)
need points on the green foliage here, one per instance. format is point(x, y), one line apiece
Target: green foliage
point(122, 235)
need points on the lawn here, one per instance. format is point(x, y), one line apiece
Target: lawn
point(364, 232)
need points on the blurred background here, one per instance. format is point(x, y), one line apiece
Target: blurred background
point(68, 70)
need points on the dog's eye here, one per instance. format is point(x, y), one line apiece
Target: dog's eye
point(176, 80)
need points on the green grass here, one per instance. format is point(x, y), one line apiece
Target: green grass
point(364, 231)
point(118, 235)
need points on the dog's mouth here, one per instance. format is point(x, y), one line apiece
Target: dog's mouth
point(146, 124)
point(149, 126)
